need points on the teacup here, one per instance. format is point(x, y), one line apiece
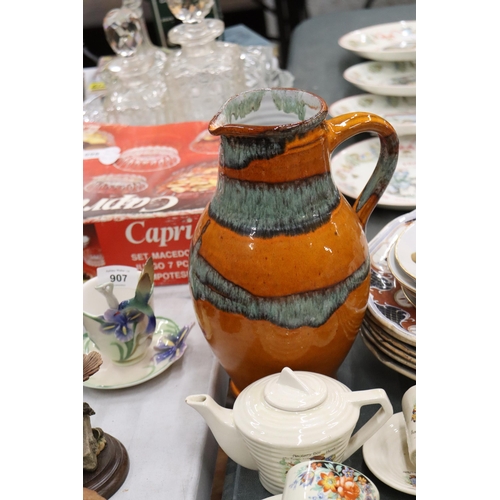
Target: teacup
point(322, 478)
point(120, 326)
point(409, 405)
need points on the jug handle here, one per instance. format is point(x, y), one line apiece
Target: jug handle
point(348, 125)
point(362, 398)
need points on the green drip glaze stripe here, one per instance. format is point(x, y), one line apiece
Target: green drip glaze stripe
point(266, 210)
point(238, 152)
point(312, 308)
point(289, 103)
point(242, 106)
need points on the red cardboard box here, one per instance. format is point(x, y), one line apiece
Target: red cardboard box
point(144, 189)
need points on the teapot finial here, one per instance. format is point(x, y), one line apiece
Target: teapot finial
point(292, 391)
point(288, 378)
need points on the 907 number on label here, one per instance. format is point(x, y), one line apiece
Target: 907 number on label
point(117, 278)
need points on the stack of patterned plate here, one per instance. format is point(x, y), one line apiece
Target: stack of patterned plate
point(389, 326)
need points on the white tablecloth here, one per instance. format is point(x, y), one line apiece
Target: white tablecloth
point(171, 450)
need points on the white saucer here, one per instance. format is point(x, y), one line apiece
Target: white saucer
point(384, 42)
point(396, 270)
point(112, 376)
point(400, 112)
point(405, 247)
point(275, 497)
point(411, 296)
point(386, 455)
point(384, 78)
point(352, 167)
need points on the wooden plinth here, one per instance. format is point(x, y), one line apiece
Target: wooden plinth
point(112, 469)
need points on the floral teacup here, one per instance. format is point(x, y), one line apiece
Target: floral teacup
point(323, 479)
point(119, 319)
point(409, 405)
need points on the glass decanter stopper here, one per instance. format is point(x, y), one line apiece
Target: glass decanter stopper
point(204, 72)
point(136, 88)
point(136, 6)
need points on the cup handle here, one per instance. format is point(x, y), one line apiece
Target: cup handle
point(362, 398)
point(348, 125)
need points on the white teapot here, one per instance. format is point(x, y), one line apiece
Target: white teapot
point(291, 417)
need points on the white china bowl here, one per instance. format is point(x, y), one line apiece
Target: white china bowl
point(384, 78)
point(399, 111)
point(383, 42)
point(352, 166)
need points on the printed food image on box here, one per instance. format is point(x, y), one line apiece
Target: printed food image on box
point(144, 189)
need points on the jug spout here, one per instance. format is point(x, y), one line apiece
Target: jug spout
point(221, 423)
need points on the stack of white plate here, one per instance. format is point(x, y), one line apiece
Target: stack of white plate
point(392, 50)
point(390, 77)
point(389, 328)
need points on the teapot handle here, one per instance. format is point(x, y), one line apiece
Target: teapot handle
point(362, 398)
point(348, 125)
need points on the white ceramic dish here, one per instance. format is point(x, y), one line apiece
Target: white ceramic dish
point(387, 360)
point(384, 78)
point(405, 280)
point(386, 455)
point(352, 166)
point(405, 250)
point(384, 42)
point(400, 112)
point(112, 376)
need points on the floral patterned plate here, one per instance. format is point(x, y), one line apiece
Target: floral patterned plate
point(376, 329)
point(390, 349)
point(169, 344)
point(388, 306)
point(400, 112)
point(351, 168)
point(387, 360)
point(386, 455)
point(384, 42)
point(384, 78)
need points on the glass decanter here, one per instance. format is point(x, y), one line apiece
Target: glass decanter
point(136, 88)
point(204, 72)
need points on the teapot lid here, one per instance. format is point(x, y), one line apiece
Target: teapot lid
point(292, 391)
point(295, 408)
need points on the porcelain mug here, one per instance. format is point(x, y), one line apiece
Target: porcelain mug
point(121, 332)
point(324, 479)
point(409, 404)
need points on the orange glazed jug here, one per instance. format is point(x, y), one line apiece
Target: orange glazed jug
point(279, 265)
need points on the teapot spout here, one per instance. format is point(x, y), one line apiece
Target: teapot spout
point(221, 423)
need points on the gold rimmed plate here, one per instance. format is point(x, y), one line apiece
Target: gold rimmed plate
point(404, 279)
point(405, 251)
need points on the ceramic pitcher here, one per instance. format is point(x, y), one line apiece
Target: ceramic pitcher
point(279, 263)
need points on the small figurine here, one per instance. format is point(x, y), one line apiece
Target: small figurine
point(105, 459)
point(93, 439)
